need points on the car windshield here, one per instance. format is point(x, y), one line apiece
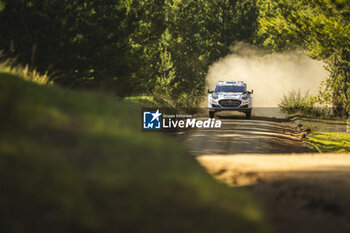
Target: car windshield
point(229, 89)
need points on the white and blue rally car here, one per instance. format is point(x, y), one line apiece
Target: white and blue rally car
point(230, 96)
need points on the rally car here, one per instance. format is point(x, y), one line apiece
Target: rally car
point(230, 96)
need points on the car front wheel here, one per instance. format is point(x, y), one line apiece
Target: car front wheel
point(211, 114)
point(248, 115)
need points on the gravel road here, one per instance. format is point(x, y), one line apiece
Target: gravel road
point(237, 135)
point(302, 191)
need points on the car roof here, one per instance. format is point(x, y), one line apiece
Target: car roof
point(231, 83)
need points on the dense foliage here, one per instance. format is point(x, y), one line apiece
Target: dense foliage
point(158, 47)
point(320, 26)
point(163, 48)
point(84, 42)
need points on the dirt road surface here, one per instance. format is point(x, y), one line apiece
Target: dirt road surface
point(301, 191)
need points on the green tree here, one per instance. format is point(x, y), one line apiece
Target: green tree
point(84, 42)
point(166, 71)
point(164, 47)
point(320, 26)
point(202, 32)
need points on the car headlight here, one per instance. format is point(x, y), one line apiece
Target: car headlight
point(245, 97)
point(215, 95)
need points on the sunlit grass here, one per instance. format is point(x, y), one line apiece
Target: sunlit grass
point(9, 66)
point(25, 73)
point(331, 141)
point(145, 101)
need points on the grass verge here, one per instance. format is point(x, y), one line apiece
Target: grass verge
point(327, 135)
point(78, 162)
point(145, 101)
point(330, 141)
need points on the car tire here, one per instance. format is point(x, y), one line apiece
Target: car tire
point(248, 115)
point(211, 114)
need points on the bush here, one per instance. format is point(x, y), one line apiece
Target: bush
point(305, 104)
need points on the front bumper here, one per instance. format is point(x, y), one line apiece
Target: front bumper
point(245, 106)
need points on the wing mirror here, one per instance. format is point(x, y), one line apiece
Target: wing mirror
point(251, 92)
point(210, 92)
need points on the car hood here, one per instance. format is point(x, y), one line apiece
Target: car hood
point(229, 95)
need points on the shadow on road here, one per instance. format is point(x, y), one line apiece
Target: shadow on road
point(306, 193)
point(237, 135)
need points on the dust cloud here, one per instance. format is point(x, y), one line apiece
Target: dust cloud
point(270, 75)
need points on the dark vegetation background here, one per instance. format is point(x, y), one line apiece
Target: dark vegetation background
point(163, 48)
